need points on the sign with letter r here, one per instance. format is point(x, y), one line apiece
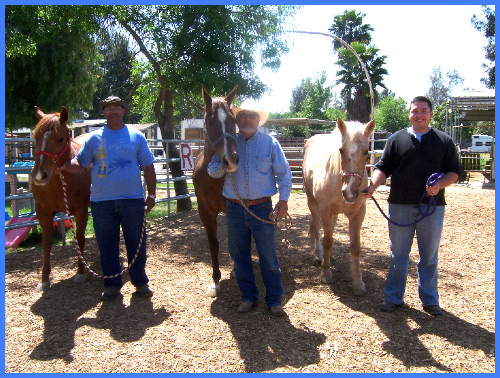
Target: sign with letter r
point(186, 156)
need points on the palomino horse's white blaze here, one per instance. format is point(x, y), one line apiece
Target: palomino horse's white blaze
point(326, 156)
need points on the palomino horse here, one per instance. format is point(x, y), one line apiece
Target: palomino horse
point(334, 176)
point(220, 139)
point(54, 147)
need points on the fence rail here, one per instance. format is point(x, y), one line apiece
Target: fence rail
point(293, 149)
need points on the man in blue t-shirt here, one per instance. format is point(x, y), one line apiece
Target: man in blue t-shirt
point(117, 154)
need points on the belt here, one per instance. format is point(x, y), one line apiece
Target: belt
point(254, 202)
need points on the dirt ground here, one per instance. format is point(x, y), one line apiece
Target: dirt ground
point(327, 329)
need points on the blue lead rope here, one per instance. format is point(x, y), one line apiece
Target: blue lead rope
point(431, 205)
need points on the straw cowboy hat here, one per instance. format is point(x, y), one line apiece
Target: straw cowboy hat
point(112, 100)
point(252, 106)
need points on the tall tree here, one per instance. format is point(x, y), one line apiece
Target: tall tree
point(186, 46)
point(356, 91)
point(116, 72)
point(440, 87)
point(349, 27)
point(391, 114)
point(51, 60)
point(488, 28)
point(311, 99)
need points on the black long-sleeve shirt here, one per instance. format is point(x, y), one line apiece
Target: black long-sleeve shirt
point(411, 163)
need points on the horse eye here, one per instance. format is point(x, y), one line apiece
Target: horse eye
point(61, 140)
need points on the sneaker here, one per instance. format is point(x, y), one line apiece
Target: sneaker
point(434, 310)
point(143, 291)
point(246, 306)
point(110, 293)
point(389, 306)
point(277, 310)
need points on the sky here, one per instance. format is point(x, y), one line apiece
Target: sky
point(415, 39)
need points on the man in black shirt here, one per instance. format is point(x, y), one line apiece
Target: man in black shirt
point(411, 156)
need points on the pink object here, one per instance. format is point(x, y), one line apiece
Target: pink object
point(15, 236)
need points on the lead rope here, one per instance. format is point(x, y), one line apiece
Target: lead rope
point(431, 205)
point(79, 252)
point(287, 219)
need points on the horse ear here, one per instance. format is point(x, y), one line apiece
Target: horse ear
point(206, 98)
point(369, 128)
point(341, 126)
point(64, 114)
point(230, 96)
point(38, 112)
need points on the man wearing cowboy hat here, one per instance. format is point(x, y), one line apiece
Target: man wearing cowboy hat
point(118, 153)
point(262, 165)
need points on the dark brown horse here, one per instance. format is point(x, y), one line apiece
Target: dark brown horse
point(54, 147)
point(220, 139)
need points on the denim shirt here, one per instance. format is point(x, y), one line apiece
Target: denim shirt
point(262, 164)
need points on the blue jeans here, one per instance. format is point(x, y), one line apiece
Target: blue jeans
point(241, 227)
point(428, 237)
point(108, 216)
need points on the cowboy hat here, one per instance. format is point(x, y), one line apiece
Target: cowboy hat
point(252, 106)
point(112, 100)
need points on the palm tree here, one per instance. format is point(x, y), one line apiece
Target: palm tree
point(356, 91)
point(349, 27)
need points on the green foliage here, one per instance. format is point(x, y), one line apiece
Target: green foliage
point(441, 88)
point(116, 72)
point(349, 27)
point(391, 114)
point(311, 99)
point(189, 46)
point(356, 91)
point(488, 28)
point(51, 60)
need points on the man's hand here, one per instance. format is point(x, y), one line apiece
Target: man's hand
point(282, 208)
point(150, 203)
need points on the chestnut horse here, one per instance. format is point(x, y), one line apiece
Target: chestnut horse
point(220, 139)
point(54, 147)
point(334, 177)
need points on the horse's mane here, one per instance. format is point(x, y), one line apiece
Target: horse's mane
point(48, 122)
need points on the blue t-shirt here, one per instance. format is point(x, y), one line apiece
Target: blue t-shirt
point(117, 156)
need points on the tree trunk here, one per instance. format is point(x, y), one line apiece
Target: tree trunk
point(166, 124)
point(358, 109)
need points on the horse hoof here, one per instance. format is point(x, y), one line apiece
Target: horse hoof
point(326, 280)
point(80, 278)
point(213, 291)
point(43, 286)
point(359, 291)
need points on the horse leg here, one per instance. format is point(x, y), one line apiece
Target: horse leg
point(314, 231)
point(81, 223)
point(47, 226)
point(355, 223)
point(210, 223)
point(329, 223)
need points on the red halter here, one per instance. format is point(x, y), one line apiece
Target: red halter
point(55, 158)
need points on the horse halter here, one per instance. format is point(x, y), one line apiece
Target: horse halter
point(345, 174)
point(219, 138)
point(56, 158)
